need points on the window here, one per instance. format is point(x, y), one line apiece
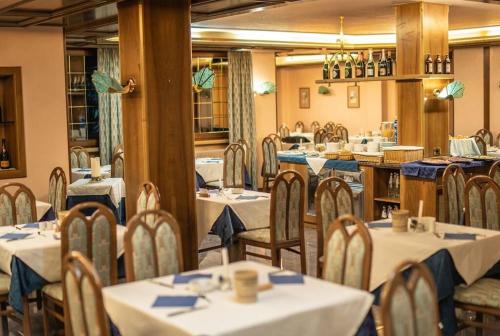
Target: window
point(210, 104)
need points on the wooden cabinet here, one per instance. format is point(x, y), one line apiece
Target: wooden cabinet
point(11, 122)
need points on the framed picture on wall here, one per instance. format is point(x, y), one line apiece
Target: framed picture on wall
point(304, 98)
point(353, 96)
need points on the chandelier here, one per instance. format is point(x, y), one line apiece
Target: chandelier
point(341, 55)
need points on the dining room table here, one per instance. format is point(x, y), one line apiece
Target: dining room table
point(82, 173)
point(44, 211)
point(293, 304)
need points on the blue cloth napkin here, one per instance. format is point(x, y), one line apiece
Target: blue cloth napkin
point(460, 236)
point(286, 279)
point(379, 225)
point(185, 278)
point(247, 197)
point(175, 301)
point(12, 236)
point(31, 226)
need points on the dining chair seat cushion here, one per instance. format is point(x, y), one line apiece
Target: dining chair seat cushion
point(54, 291)
point(259, 235)
point(4, 283)
point(484, 292)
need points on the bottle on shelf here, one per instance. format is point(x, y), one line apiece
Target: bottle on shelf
point(336, 69)
point(389, 212)
point(382, 65)
point(348, 67)
point(360, 66)
point(439, 64)
point(390, 188)
point(389, 64)
point(370, 66)
point(4, 156)
point(384, 212)
point(429, 65)
point(326, 69)
point(396, 186)
point(447, 64)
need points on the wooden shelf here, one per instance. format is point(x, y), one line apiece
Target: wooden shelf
point(387, 200)
point(375, 79)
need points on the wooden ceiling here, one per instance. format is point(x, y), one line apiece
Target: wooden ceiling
point(90, 22)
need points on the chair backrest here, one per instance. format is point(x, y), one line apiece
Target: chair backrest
point(94, 237)
point(84, 312)
point(118, 165)
point(234, 166)
point(17, 204)
point(410, 308)
point(482, 203)
point(80, 157)
point(269, 157)
point(329, 127)
point(348, 255)
point(57, 189)
point(486, 135)
point(277, 140)
point(315, 126)
point(453, 182)
point(498, 140)
point(319, 135)
point(284, 131)
point(118, 149)
point(299, 126)
point(152, 249)
point(495, 172)
point(287, 207)
point(330, 137)
point(342, 133)
point(481, 144)
point(148, 199)
point(246, 148)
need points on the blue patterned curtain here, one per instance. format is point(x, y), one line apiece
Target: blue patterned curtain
point(110, 106)
point(241, 105)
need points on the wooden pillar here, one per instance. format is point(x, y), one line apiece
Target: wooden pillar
point(422, 29)
point(155, 49)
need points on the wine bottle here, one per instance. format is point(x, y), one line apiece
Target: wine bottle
point(390, 188)
point(384, 212)
point(447, 64)
point(326, 69)
point(360, 66)
point(429, 65)
point(4, 156)
point(439, 64)
point(348, 67)
point(370, 66)
point(390, 64)
point(336, 70)
point(382, 65)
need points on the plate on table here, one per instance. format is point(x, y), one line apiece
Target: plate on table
point(291, 152)
point(482, 158)
point(459, 159)
point(436, 161)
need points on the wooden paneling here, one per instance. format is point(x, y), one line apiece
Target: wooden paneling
point(155, 49)
point(410, 116)
point(434, 30)
point(368, 193)
point(435, 119)
point(408, 39)
point(415, 189)
point(486, 87)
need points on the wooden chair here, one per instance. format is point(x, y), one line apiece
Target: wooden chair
point(348, 256)
point(94, 237)
point(482, 203)
point(333, 199)
point(233, 175)
point(118, 165)
point(270, 161)
point(486, 135)
point(84, 312)
point(118, 149)
point(79, 157)
point(330, 137)
point(481, 144)
point(315, 126)
point(410, 307)
point(152, 249)
point(329, 127)
point(342, 133)
point(148, 199)
point(17, 204)
point(319, 135)
point(498, 140)
point(284, 131)
point(453, 182)
point(286, 224)
point(57, 189)
point(246, 148)
point(277, 141)
point(299, 125)
point(495, 172)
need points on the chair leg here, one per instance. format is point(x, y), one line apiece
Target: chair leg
point(303, 267)
point(319, 270)
point(5, 320)
point(39, 300)
point(46, 322)
point(479, 318)
point(243, 250)
point(276, 257)
point(26, 316)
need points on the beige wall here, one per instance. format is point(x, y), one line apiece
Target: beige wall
point(40, 53)
point(495, 90)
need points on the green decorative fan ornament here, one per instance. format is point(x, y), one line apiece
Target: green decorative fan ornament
point(203, 79)
point(453, 90)
point(103, 83)
point(323, 90)
point(265, 88)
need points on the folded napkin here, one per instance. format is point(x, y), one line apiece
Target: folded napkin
point(286, 279)
point(31, 226)
point(175, 301)
point(14, 236)
point(380, 225)
point(247, 197)
point(84, 169)
point(185, 278)
point(460, 236)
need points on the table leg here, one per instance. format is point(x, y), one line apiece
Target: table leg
point(26, 316)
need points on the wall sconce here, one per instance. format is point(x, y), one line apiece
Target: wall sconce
point(265, 88)
point(323, 90)
point(453, 90)
point(105, 84)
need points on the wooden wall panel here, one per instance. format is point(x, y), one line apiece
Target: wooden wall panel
point(410, 117)
point(408, 39)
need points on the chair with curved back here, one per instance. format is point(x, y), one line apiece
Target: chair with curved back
point(234, 166)
point(453, 182)
point(286, 221)
point(84, 305)
point(79, 157)
point(481, 144)
point(246, 148)
point(495, 172)
point(118, 149)
point(482, 203)
point(319, 135)
point(284, 131)
point(270, 167)
point(342, 133)
point(333, 199)
point(299, 126)
point(315, 126)
point(330, 137)
point(148, 199)
point(486, 135)
point(410, 307)
point(95, 237)
point(498, 140)
point(57, 189)
point(118, 165)
point(152, 249)
point(17, 204)
point(329, 127)
point(277, 141)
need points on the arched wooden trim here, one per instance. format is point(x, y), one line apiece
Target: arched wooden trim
point(277, 140)
point(342, 133)
point(284, 131)
point(150, 190)
point(77, 150)
point(315, 126)
point(482, 183)
point(299, 124)
point(118, 149)
point(483, 132)
point(59, 174)
point(480, 143)
point(18, 189)
point(117, 157)
point(319, 135)
point(453, 170)
point(234, 149)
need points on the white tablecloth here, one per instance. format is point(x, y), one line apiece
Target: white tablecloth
point(472, 258)
point(80, 173)
point(42, 253)
point(316, 163)
point(308, 136)
point(254, 214)
point(210, 169)
point(41, 209)
point(315, 308)
point(461, 147)
point(357, 139)
point(494, 152)
point(114, 187)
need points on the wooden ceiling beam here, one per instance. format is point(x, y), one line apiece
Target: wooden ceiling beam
point(14, 5)
point(110, 20)
point(28, 13)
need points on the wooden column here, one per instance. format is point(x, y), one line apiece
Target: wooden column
point(155, 49)
point(422, 29)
